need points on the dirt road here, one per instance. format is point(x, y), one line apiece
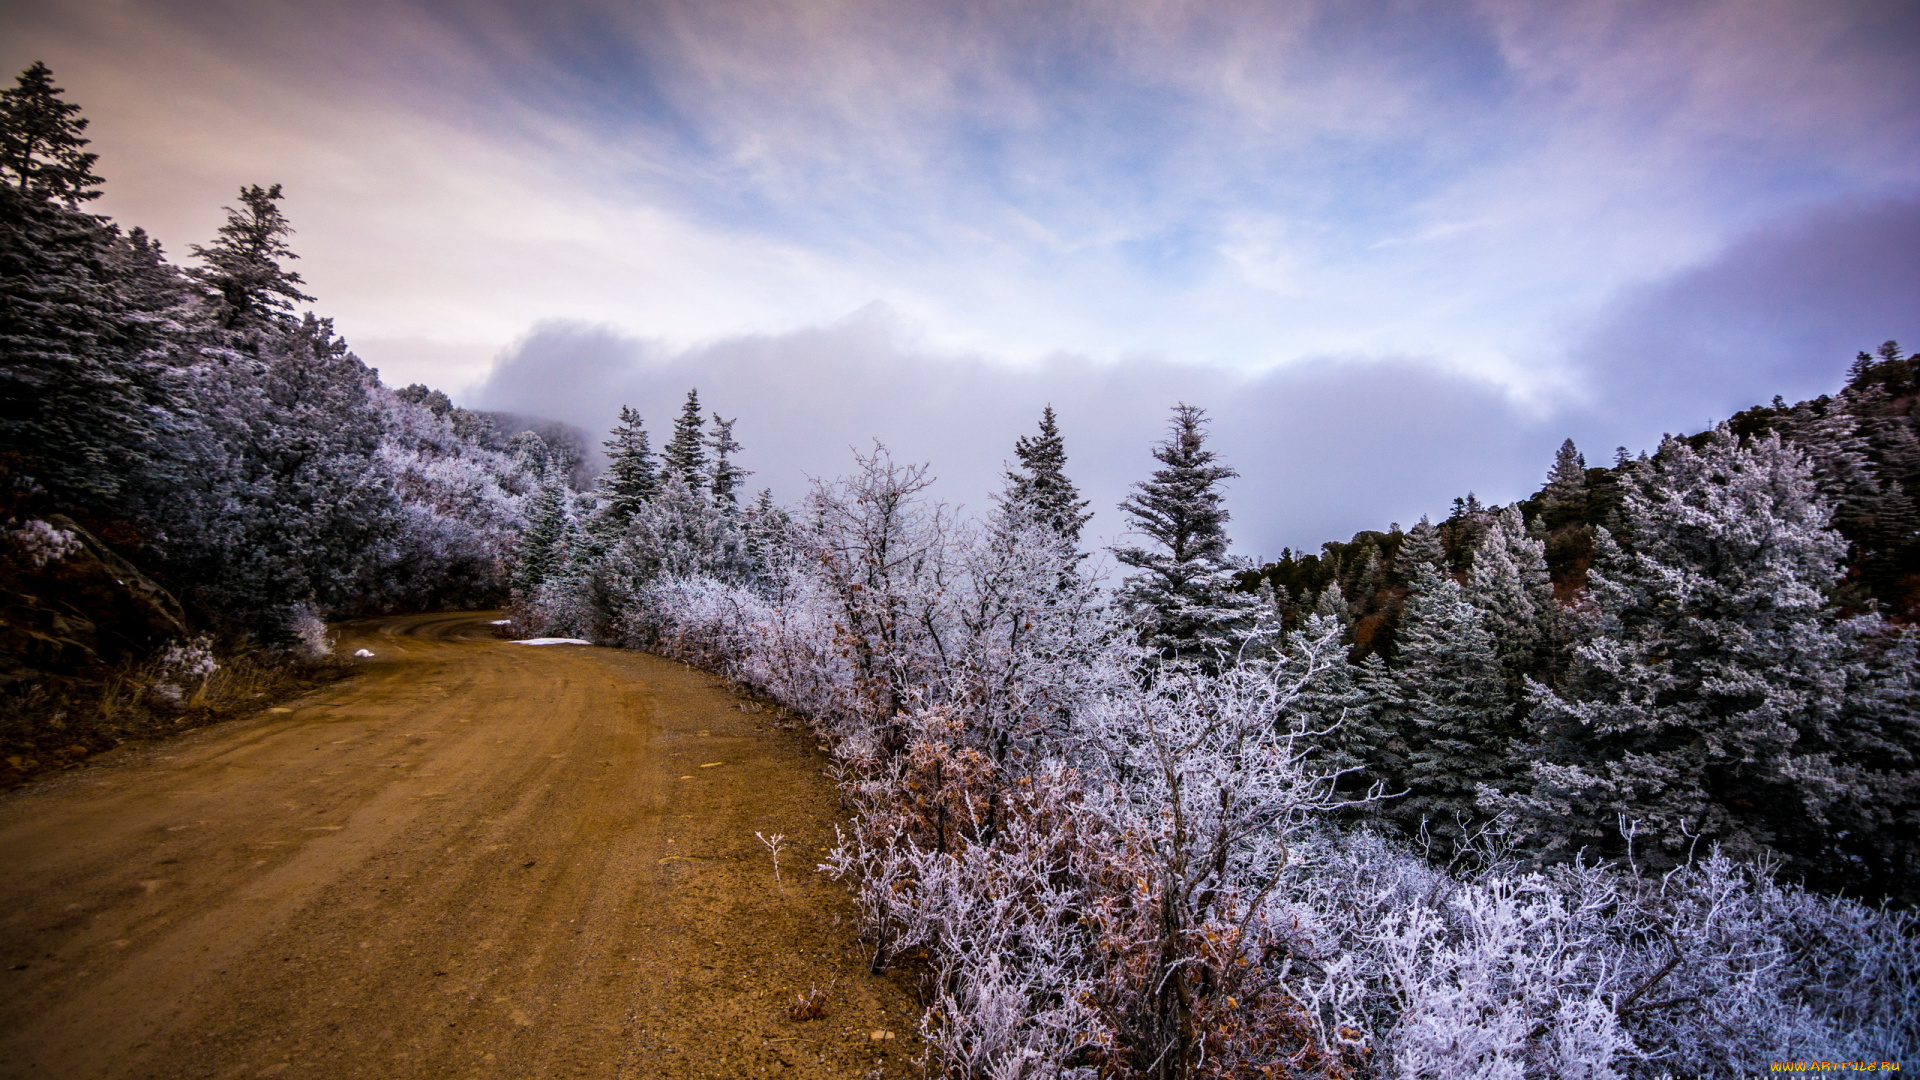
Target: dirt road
point(473, 859)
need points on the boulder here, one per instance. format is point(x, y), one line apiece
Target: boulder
point(76, 602)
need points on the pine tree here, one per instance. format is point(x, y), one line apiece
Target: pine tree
point(1448, 701)
point(1511, 587)
point(1184, 599)
point(726, 475)
point(1332, 602)
point(78, 397)
point(243, 277)
point(1565, 496)
point(686, 456)
point(1039, 489)
point(765, 527)
point(631, 478)
point(1714, 657)
point(42, 150)
point(543, 546)
point(1342, 703)
point(1421, 548)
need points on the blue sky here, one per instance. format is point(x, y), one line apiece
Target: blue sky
point(1399, 249)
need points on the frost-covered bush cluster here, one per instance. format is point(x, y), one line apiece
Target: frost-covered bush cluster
point(188, 661)
point(43, 543)
point(316, 642)
point(1112, 852)
point(181, 668)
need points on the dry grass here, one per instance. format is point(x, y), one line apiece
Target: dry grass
point(56, 722)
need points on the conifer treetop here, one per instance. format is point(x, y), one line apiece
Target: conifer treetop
point(42, 150)
point(1421, 548)
point(1567, 482)
point(1039, 488)
point(631, 477)
point(686, 454)
point(726, 475)
point(1180, 506)
point(243, 271)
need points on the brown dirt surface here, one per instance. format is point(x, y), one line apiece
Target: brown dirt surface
point(471, 859)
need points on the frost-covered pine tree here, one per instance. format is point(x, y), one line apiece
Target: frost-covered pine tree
point(631, 478)
point(1421, 547)
point(1183, 597)
point(1714, 655)
point(1511, 587)
point(542, 550)
point(78, 399)
point(766, 528)
point(43, 151)
point(1446, 697)
point(243, 278)
point(1039, 488)
point(1343, 702)
point(685, 457)
point(1565, 497)
point(726, 476)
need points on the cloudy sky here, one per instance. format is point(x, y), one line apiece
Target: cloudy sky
point(1398, 249)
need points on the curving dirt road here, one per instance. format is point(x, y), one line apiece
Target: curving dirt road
point(474, 859)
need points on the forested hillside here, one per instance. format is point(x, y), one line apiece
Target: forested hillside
point(192, 475)
point(1712, 642)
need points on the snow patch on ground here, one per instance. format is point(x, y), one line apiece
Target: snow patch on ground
point(552, 641)
point(363, 652)
point(501, 622)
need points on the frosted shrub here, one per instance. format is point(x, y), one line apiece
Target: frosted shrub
point(315, 642)
point(1010, 955)
point(1592, 970)
point(189, 660)
point(43, 543)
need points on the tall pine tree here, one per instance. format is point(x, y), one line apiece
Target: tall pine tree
point(1184, 597)
point(43, 153)
point(686, 455)
point(631, 479)
point(1510, 585)
point(243, 278)
point(726, 476)
point(1565, 497)
point(1039, 489)
point(77, 394)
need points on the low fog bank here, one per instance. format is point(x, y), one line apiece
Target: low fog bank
point(1324, 448)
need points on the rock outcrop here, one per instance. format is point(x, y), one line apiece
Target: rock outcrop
point(69, 603)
